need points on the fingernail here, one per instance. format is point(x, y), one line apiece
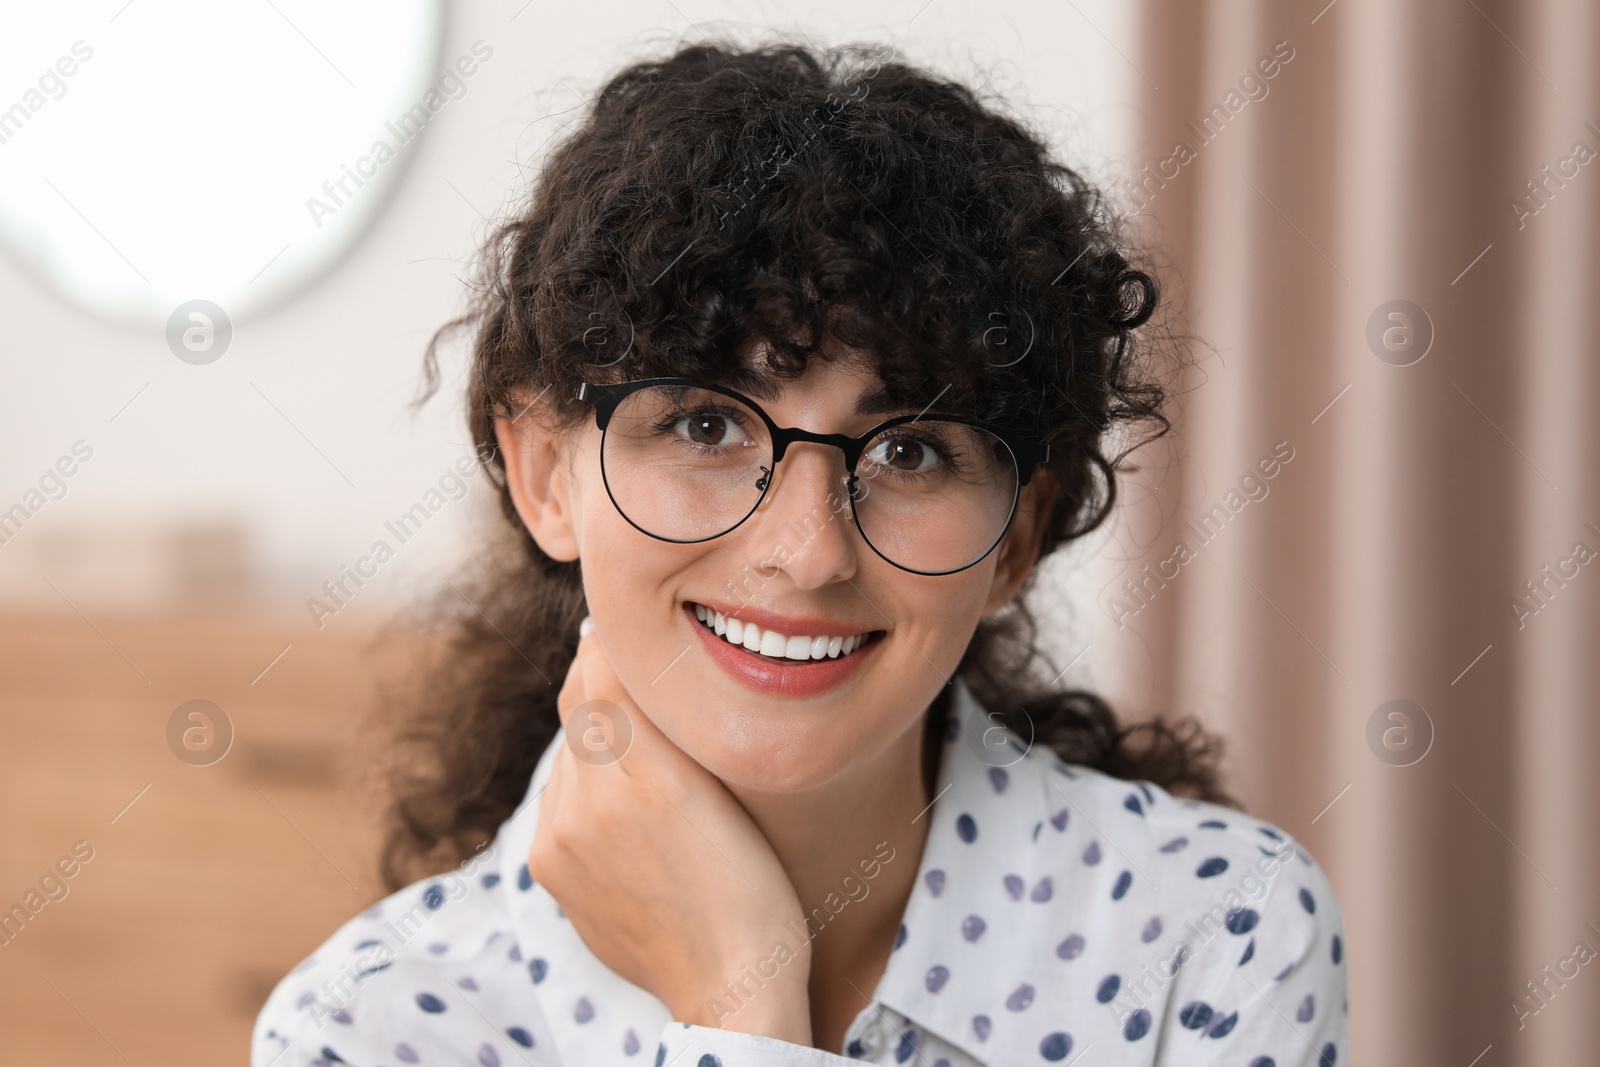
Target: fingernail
point(586, 627)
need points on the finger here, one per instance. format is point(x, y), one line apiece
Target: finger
point(572, 692)
point(647, 744)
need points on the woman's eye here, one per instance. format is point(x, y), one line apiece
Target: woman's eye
point(904, 454)
point(711, 429)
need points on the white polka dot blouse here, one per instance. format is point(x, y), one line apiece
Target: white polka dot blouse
point(1058, 913)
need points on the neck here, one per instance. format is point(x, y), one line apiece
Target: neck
point(851, 850)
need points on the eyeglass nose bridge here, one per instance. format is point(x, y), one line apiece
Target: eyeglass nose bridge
point(851, 447)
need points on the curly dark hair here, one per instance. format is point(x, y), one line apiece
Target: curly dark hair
point(726, 195)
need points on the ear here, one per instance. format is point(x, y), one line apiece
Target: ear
point(539, 478)
point(1019, 549)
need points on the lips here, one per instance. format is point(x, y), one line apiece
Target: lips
point(778, 645)
point(779, 674)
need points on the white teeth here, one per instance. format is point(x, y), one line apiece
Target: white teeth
point(771, 643)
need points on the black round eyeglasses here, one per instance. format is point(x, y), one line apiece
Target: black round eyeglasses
point(686, 461)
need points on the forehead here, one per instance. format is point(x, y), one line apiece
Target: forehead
point(870, 396)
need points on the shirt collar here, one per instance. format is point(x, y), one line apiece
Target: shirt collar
point(989, 794)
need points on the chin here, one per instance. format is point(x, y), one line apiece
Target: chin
point(768, 757)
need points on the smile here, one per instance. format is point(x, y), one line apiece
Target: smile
point(770, 644)
point(797, 665)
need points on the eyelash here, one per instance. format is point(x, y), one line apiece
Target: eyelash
point(665, 424)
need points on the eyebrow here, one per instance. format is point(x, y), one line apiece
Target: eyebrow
point(877, 402)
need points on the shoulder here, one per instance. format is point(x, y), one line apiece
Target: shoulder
point(1184, 857)
point(413, 979)
point(1218, 921)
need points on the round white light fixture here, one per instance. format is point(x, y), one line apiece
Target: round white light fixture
point(160, 152)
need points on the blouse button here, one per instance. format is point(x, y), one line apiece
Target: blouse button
point(872, 1038)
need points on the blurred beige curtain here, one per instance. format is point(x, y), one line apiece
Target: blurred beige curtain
point(1382, 217)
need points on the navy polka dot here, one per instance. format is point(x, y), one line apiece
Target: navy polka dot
point(1211, 867)
point(1108, 988)
point(708, 1060)
point(1151, 931)
point(537, 968)
point(1133, 805)
point(430, 1003)
point(938, 975)
point(855, 1050)
point(907, 1046)
point(1242, 920)
point(1307, 902)
point(1223, 1026)
point(1263, 1061)
point(520, 1036)
point(900, 937)
point(935, 881)
point(1071, 948)
point(966, 828)
point(584, 1011)
point(490, 880)
point(405, 1053)
point(1249, 950)
point(1091, 855)
point(1137, 1026)
point(1175, 844)
point(1338, 949)
point(661, 1053)
point(1020, 998)
point(999, 779)
point(524, 878)
point(1055, 1046)
point(630, 1043)
point(1213, 824)
point(433, 896)
point(1308, 1008)
point(1014, 886)
point(1124, 880)
point(972, 927)
point(1195, 1015)
point(1043, 889)
point(1329, 1054)
point(329, 1054)
point(980, 1026)
point(488, 1056)
point(1059, 819)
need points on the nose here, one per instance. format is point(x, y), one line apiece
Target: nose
point(806, 511)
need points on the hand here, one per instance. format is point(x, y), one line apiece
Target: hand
point(662, 872)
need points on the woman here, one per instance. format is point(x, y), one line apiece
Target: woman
point(791, 372)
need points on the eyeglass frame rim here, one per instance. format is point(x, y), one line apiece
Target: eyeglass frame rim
point(1029, 453)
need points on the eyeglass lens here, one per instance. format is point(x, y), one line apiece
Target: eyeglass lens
point(688, 464)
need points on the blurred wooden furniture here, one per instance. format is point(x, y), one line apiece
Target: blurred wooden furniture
point(207, 883)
